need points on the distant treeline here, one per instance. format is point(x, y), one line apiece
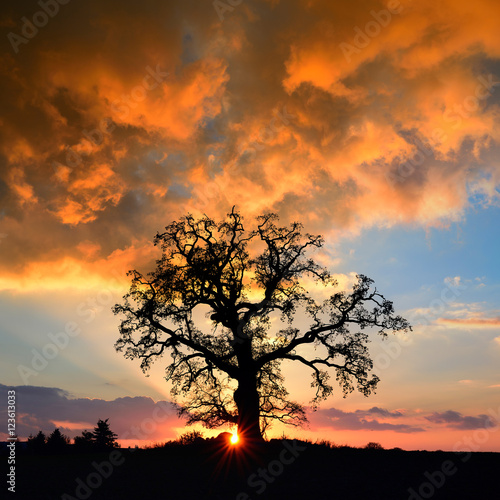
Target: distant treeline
point(101, 439)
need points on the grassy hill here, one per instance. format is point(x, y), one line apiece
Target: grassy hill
point(278, 470)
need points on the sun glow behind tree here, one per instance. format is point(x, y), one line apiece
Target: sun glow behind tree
point(234, 438)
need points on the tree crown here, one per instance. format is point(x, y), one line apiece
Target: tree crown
point(250, 285)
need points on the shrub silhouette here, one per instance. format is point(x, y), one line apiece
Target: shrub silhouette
point(192, 437)
point(373, 446)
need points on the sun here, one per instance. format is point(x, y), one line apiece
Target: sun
point(234, 438)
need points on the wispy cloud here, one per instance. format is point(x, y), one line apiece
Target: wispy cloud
point(456, 420)
point(379, 419)
point(361, 420)
point(472, 322)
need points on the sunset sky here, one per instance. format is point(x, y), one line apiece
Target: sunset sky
point(375, 124)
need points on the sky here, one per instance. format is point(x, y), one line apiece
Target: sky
point(375, 124)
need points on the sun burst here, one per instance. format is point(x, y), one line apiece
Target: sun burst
point(234, 438)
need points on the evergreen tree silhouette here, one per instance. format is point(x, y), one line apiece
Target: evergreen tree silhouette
point(57, 442)
point(37, 444)
point(104, 437)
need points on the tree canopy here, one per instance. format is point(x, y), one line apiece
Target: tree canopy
point(229, 305)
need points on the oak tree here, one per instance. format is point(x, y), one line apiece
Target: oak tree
point(229, 305)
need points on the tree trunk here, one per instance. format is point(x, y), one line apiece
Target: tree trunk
point(246, 395)
point(246, 398)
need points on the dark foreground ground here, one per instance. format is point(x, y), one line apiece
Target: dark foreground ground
point(280, 470)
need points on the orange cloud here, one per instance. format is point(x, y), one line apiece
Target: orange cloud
point(90, 193)
point(266, 110)
point(472, 322)
point(80, 273)
point(21, 188)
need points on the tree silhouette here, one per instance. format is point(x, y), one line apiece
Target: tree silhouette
point(57, 442)
point(251, 286)
point(103, 436)
point(373, 446)
point(85, 442)
point(37, 443)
